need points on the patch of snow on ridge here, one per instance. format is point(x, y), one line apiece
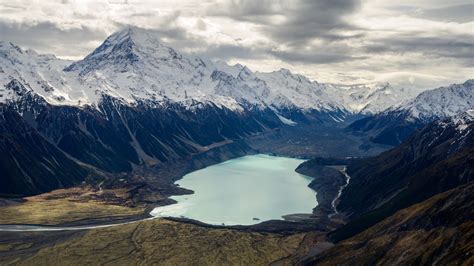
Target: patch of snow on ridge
point(286, 121)
point(463, 120)
point(336, 119)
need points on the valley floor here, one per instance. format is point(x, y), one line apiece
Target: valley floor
point(73, 206)
point(131, 196)
point(148, 242)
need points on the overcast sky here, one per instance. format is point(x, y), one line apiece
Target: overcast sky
point(409, 43)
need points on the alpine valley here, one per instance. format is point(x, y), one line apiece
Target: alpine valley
point(89, 148)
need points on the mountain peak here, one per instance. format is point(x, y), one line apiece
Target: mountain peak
point(10, 46)
point(285, 71)
point(135, 37)
point(245, 73)
point(124, 49)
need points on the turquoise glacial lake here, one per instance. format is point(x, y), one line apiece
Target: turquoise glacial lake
point(243, 191)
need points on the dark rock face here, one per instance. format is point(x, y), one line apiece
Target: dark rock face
point(16, 87)
point(119, 135)
point(437, 158)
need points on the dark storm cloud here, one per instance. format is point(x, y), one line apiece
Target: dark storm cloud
point(247, 10)
point(315, 19)
point(45, 36)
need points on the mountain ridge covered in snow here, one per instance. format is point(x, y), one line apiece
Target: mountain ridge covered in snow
point(392, 126)
point(442, 102)
point(133, 65)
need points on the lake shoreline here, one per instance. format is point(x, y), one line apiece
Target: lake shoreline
point(243, 191)
point(153, 186)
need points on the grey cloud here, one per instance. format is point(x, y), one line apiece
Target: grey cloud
point(315, 19)
point(304, 20)
point(228, 51)
point(455, 46)
point(248, 10)
point(299, 32)
point(48, 37)
point(314, 57)
point(457, 13)
point(325, 21)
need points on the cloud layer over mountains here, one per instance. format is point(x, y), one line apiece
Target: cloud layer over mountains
point(412, 43)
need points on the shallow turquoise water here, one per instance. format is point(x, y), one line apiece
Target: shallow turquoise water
point(239, 190)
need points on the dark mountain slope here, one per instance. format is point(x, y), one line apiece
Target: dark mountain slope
point(437, 158)
point(113, 136)
point(29, 164)
point(116, 136)
point(437, 231)
point(390, 128)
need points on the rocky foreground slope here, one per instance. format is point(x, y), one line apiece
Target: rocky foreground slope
point(437, 231)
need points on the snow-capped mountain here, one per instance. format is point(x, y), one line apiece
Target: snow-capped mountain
point(442, 102)
point(371, 98)
point(136, 102)
point(41, 73)
point(395, 124)
point(132, 65)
